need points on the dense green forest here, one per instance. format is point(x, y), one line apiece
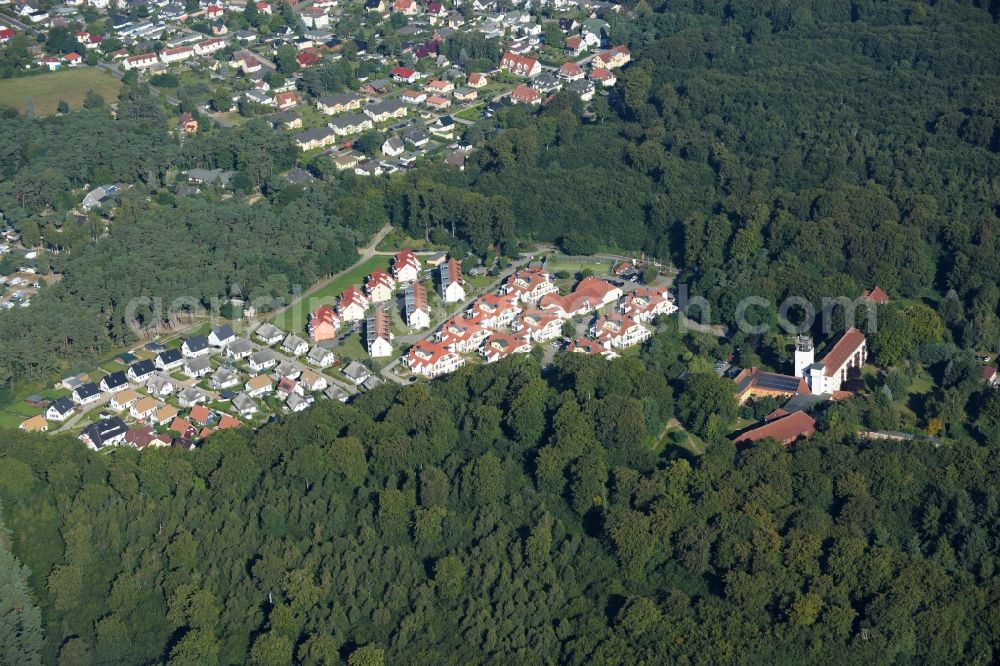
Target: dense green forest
point(765, 151)
point(510, 514)
point(504, 516)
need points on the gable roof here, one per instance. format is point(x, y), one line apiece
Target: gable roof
point(787, 429)
point(838, 355)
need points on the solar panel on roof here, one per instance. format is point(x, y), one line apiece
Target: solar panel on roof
point(777, 383)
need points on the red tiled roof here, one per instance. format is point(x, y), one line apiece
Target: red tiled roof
point(842, 351)
point(876, 295)
point(787, 430)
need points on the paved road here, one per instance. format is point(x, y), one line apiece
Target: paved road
point(14, 23)
point(451, 312)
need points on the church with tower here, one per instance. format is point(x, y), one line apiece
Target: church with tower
point(841, 362)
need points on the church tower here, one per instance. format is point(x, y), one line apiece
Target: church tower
point(805, 355)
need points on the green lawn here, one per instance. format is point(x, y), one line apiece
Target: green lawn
point(295, 317)
point(693, 445)
point(574, 265)
point(472, 113)
point(70, 85)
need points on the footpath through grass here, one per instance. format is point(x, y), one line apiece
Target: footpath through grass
point(295, 317)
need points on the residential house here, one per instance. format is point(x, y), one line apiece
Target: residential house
point(316, 137)
point(644, 304)
point(144, 61)
point(176, 54)
point(259, 385)
point(323, 324)
point(223, 378)
point(60, 410)
point(438, 103)
point(530, 285)
point(575, 45)
point(308, 58)
point(416, 311)
point(220, 336)
point(288, 386)
point(583, 89)
point(209, 46)
point(450, 282)
point(294, 345)
point(169, 359)
point(875, 295)
point(320, 357)
point(406, 266)
point(524, 94)
point(269, 334)
point(116, 381)
point(239, 348)
point(406, 7)
point(356, 372)
point(163, 415)
point(378, 333)
point(123, 400)
point(477, 80)
point(570, 71)
point(379, 286)
point(245, 405)
point(587, 346)
point(144, 438)
point(297, 403)
point(539, 325)
point(618, 331)
point(189, 396)
point(499, 346)
point(334, 392)
point(603, 76)
point(315, 17)
point(262, 360)
point(183, 427)
point(286, 100)
point(201, 415)
point(104, 433)
point(405, 75)
point(187, 123)
point(462, 335)
point(144, 408)
point(393, 146)
point(312, 381)
point(990, 376)
point(465, 94)
point(160, 386)
point(413, 96)
point(430, 360)
point(287, 369)
point(439, 87)
point(619, 56)
point(494, 311)
point(195, 347)
point(352, 305)
point(352, 123)
point(86, 394)
point(198, 367)
point(385, 110)
point(339, 103)
point(589, 295)
point(520, 65)
point(416, 137)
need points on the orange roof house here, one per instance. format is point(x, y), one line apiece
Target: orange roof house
point(786, 429)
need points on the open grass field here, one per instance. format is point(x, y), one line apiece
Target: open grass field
point(294, 318)
point(45, 90)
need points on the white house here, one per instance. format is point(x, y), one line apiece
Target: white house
point(294, 345)
point(450, 282)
